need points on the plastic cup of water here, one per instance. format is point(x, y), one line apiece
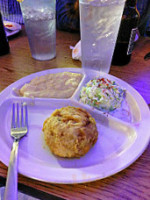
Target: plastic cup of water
point(40, 25)
point(99, 26)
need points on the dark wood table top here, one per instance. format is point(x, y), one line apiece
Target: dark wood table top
point(131, 183)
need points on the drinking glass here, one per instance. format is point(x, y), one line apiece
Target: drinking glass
point(99, 26)
point(40, 25)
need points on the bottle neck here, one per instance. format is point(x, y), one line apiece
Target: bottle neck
point(131, 3)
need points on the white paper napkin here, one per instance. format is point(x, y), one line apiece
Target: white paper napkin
point(76, 51)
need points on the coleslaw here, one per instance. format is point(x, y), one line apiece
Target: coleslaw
point(103, 94)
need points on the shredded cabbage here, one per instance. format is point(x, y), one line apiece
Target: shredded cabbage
point(103, 94)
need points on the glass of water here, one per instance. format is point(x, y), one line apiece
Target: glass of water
point(40, 26)
point(99, 25)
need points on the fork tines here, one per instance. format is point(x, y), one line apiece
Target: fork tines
point(19, 115)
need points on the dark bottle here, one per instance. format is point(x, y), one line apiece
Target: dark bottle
point(4, 45)
point(127, 32)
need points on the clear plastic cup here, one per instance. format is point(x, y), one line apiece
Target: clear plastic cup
point(40, 25)
point(99, 26)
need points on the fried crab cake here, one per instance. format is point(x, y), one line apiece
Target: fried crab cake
point(70, 132)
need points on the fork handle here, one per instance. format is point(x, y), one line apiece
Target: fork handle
point(12, 175)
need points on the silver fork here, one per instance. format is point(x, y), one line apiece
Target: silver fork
point(19, 128)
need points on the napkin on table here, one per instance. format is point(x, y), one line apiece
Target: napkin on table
point(76, 51)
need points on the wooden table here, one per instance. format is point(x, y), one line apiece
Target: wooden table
point(132, 183)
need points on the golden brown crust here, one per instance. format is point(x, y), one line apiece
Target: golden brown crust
point(70, 132)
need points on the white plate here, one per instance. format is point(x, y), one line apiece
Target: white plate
point(119, 143)
point(11, 28)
